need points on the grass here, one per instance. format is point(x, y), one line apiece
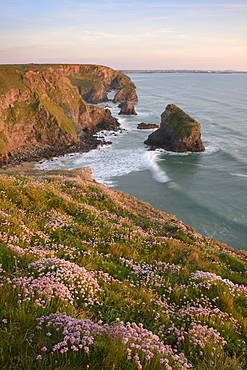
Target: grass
point(181, 123)
point(57, 111)
point(92, 278)
point(84, 83)
point(3, 141)
point(11, 79)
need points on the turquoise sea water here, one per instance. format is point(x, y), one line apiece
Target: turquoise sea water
point(206, 190)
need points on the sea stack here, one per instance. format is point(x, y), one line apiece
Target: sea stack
point(127, 108)
point(178, 132)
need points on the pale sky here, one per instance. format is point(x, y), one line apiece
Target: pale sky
point(126, 34)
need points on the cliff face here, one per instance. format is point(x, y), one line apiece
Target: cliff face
point(94, 82)
point(126, 93)
point(178, 132)
point(43, 108)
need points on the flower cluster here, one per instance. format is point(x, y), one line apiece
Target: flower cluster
point(151, 275)
point(81, 334)
point(45, 250)
point(209, 278)
point(54, 277)
point(58, 220)
point(196, 314)
point(200, 336)
point(4, 215)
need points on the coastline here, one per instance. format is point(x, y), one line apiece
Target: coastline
point(27, 158)
point(23, 166)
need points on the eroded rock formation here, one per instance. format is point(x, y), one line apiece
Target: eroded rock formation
point(178, 132)
point(127, 108)
point(43, 113)
point(126, 93)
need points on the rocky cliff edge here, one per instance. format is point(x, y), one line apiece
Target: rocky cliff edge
point(44, 109)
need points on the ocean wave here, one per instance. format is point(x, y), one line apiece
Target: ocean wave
point(208, 150)
point(105, 163)
point(150, 162)
point(238, 174)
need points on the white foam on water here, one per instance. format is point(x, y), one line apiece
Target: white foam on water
point(239, 174)
point(210, 149)
point(111, 94)
point(150, 161)
point(108, 163)
point(105, 162)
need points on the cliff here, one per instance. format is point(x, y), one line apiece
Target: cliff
point(44, 109)
point(126, 93)
point(127, 108)
point(92, 278)
point(178, 132)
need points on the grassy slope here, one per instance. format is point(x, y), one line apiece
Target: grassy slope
point(10, 79)
point(137, 288)
point(92, 72)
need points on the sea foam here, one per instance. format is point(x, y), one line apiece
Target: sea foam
point(151, 163)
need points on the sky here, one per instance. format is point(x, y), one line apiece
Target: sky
point(126, 34)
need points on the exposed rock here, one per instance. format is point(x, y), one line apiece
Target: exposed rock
point(126, 93)
point(42, 114)
point(127, 108)
point(147, 126)
point(93, 81)
point(178, 132)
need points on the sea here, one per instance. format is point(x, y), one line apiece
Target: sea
point(206, 190)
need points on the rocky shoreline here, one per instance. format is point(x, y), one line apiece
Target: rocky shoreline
point(36, 153)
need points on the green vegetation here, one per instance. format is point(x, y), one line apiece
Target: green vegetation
point(181, 123)
point(91, 278)
point(57, 111)
point(125, 77)
point(17, 67)
point(11, 79)
point(127, 88)
point(85, 84)
point(21, 112)
point(3, 140)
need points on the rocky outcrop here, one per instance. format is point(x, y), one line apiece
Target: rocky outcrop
point(126, 93)
point(127, 108)
point(43, 114)
point(178, 132)
point(93, 82)
point(147, 126)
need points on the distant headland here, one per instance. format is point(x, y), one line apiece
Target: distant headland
point(179, 71)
